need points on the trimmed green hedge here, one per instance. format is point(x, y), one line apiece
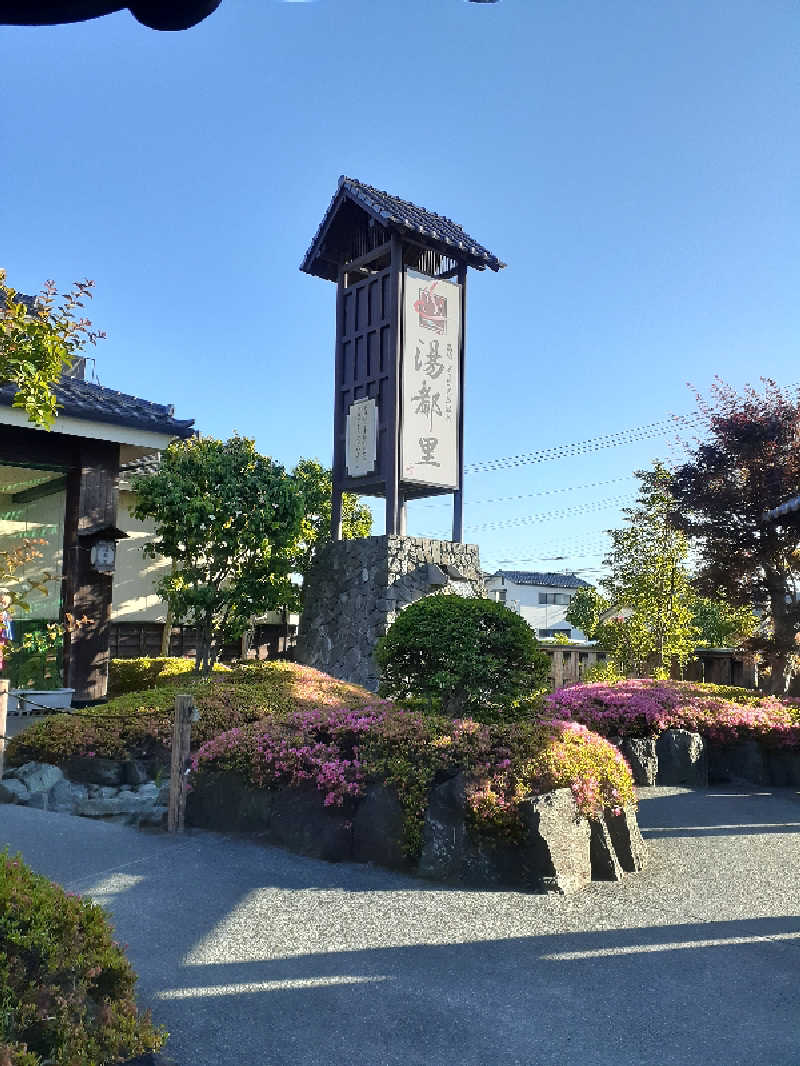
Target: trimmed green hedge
point(66, 988)
point(133, 675)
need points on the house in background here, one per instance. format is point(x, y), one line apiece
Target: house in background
point(542, 599)
point(60, 488)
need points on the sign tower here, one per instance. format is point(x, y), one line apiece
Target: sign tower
point(401, 292)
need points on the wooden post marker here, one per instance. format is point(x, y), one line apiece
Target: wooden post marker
point(3, 713)
point(181, 741)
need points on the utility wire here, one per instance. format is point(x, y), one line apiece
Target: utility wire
point(529, 495)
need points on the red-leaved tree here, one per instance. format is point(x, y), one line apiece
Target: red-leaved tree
point(748, 464)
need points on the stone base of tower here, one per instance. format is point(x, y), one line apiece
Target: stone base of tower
point(356, 589)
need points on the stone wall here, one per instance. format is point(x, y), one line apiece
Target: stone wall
point(356, 589)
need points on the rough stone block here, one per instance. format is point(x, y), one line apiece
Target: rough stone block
point(225, 802)
point(378, 827)
point(38, 800)
point(743, 761)
point(13, 791)
point(783, 767)
point(444, 835)
point(65, 796)
point(302, 823)
point(642, 759)
point(626, 837)
point(95, 771)
point(555, 856)
point(135, 772)
point(605, 864)
point(682, 759)
point(37, 776)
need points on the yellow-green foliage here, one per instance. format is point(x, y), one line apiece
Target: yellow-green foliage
point(66, 988)
point(139, 724)
point(133, 675)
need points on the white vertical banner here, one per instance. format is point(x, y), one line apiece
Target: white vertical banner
point(430, 382)
point(361, 443)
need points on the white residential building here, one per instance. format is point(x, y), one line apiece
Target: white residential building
point(541, 599)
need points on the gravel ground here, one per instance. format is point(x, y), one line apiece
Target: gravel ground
point(252, 956)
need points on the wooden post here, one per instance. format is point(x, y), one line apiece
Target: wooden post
point(181, 741)
point(3, 713)
point(458, 495)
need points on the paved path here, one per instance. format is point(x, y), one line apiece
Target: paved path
point(253, 957)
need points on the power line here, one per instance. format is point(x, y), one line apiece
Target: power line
point(549, 516)
point(530, 495)
point(592, 444)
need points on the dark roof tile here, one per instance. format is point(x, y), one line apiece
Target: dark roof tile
point(536, 577)
point(95, 403)
point(405, 217)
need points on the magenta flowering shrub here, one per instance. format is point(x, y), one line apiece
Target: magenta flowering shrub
point(339, 751)
point(644, 707)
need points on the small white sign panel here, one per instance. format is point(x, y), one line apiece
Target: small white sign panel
point(430, 381)
point(362, 437)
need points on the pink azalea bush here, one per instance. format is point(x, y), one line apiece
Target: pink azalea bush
point(339, 751)
point(643, 708)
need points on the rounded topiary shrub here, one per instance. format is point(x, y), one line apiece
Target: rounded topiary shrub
point(464, 657)
point(66, 988)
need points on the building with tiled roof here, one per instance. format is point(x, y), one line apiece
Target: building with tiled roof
point(542, 599)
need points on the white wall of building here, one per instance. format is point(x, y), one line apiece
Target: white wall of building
point(525, 600)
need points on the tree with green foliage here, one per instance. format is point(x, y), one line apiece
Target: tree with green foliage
point(316, 487)
point(649, 575)
point(462, 656)
point(585, 609)
point(226, 516)
point(721, 625)
point(39, 340)
point(748, 464)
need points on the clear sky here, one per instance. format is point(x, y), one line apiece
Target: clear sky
point(636, 165)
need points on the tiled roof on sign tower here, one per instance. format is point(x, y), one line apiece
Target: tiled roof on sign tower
point(404, 217)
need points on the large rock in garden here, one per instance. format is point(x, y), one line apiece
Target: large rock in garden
point(301, 822)
point(445, 841)
point(783, 767)
point(95, 771)
point(378, 828)
point(742, 761)
point(640, 753)
point(555, 855)
point(682, 759)
point(605, 864)
point(37, 776)
point(226, 803)
point(626, 837)
point(13, 791)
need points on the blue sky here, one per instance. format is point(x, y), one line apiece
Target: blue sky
point(636, 165)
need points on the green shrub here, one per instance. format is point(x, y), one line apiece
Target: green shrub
point(66, 988)
point(138, 725)
point(134, 675)
point(464, 657)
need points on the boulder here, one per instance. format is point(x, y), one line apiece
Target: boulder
point(153, 816)
point(135, 772)
point(626, 838)
point(96, 771)
point(378, 828)
point(605, 864)
point(742, 761)
point(555, 855)
point(640, 753)
point(783, 767)
point(37, 800)
point(37, 776)
point(13, 791)
point(301, 822)
point(682, 759)
point(65, 796)
point(224, 802)
point(445, 842)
